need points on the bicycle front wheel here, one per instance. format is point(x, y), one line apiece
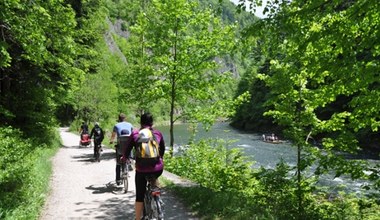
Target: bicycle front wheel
point(125, 182)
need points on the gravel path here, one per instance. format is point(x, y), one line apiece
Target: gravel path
point(84, 189)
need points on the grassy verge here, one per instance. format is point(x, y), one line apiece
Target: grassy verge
point(27, 199)
point(37, 189)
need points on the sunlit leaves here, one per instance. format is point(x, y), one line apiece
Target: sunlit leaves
point(324, 74)
point(183, 46)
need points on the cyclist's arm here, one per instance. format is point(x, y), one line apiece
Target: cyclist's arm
point(101, 134)
point(162, 146)
point(112, 137)
point(129, 148)
point(92, 133)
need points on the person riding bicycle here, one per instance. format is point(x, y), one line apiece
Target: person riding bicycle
point(83, 130)
point(146, 121)
point(120, 128)
point(98, 134)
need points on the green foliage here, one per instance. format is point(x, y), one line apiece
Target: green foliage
point(320, 75)
point(49, 46)
point(173, 51)
point(38, 38)
point(24, 174)
point(13, 170)
point(97, 98)
point(213, 165)
point(230, 189)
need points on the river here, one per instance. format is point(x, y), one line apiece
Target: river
point(265, 154)
point(262, 153)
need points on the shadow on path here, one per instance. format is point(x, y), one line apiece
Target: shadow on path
point(112, 208)
point(110, 187)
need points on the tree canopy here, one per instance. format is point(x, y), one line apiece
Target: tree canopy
point(320, 67)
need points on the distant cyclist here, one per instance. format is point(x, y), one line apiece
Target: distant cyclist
point(155, 170)
point(98, 134)
point(83, 130)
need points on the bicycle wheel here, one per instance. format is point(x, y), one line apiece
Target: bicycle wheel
point(147, 208)
point(125, 177)
point(157, 209)
point(125, 182)
point(97, 154)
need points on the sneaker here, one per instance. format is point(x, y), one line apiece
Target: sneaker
point(118, 182)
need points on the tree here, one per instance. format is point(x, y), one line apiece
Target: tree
point(37, 62)
point(323, 54)
point(178, 60)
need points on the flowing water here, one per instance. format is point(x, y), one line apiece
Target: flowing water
point(264, 154)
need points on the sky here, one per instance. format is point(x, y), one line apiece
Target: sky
point(259, 11)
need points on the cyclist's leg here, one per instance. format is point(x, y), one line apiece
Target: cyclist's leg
point(140, 183)
point(118, 167)
point(98, 145)
point(95, 149)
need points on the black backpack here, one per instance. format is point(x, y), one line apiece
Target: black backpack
point(98, 134)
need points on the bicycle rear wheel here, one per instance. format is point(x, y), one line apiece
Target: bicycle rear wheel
point(158, 212)
point(125, 177)
point(125, 182)
point(97, 154)
point(147, 209)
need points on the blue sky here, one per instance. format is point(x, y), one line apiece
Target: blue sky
point(259, 11)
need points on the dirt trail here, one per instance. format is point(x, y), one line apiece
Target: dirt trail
point(84, 189)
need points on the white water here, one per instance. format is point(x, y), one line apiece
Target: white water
point(264, 154)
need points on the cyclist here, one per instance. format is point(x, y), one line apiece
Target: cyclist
point(120, 128)
point(146, 121)
point(98, 134)
point(83, 130)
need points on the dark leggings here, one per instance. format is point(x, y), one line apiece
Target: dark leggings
point(97, 144)
point(140, 183)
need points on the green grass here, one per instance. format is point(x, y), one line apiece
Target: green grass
point(35, 187)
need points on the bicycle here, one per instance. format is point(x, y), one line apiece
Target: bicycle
point(125, 175)
point(153, 204)
point(97, 150)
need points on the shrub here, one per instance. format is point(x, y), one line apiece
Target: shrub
point(14, 166)
point(24, 174)
point(213, 166)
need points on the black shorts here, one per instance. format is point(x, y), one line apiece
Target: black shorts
point(140, 183)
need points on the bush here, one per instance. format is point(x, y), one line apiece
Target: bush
point(215, 167)
point(24, 174)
